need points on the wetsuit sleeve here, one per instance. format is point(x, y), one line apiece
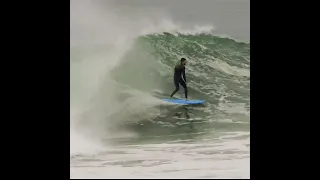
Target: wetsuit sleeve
point(184, 74)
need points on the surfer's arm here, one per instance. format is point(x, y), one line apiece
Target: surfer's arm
point(184, 75)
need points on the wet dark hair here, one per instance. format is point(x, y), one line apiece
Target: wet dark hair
point(182, 59)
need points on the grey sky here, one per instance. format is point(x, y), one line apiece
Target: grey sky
point(231, 17)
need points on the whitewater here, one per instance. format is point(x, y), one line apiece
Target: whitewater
point(122, 60)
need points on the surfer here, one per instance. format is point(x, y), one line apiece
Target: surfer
point(180, 77)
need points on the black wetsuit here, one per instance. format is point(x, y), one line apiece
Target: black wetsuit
point(179, 72)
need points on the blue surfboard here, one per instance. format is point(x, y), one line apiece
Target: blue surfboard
point(186, 102)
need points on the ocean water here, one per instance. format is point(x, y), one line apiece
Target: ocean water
point(122, 59)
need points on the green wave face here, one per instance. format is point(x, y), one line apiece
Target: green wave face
point(218, 71)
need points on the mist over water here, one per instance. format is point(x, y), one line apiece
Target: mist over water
point(122, 58)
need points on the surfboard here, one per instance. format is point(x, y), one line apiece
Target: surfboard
point(186, 102)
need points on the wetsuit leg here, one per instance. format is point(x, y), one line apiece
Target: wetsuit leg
point(183, 84)
point(176, 83)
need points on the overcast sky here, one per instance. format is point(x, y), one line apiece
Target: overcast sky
point(231, 17)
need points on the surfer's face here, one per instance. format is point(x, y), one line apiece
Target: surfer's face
point(183, 61)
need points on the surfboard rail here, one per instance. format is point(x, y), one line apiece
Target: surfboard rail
point(183, 101)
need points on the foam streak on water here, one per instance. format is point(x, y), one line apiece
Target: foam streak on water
point(178, 160)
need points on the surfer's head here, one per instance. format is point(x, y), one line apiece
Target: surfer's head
point(183, 61)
